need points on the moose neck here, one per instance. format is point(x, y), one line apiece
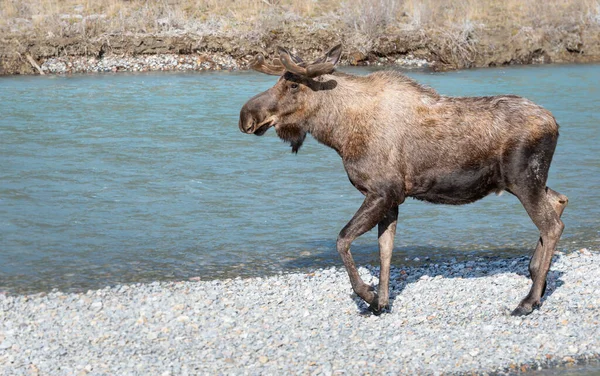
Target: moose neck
point(342, 112)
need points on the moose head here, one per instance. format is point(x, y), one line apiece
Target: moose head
point(289, 104)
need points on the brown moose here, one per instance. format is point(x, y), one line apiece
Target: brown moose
point(398, 139)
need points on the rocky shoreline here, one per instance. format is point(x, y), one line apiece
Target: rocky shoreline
point(173, 62)
point(143, 63)
point(450, 318)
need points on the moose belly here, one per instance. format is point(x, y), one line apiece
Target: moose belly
point(456, 187)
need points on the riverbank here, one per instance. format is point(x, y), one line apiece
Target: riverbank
point(193, 53)
point(68, 37)
point(445, 319)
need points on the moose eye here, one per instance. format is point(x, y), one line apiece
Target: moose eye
point(294, 85)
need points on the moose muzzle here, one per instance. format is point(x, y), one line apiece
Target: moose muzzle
point(251, 122)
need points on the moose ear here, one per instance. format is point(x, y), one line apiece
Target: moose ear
point(332, 56)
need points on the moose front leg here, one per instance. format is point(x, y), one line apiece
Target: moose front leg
point(371, 212)
point(387, 232)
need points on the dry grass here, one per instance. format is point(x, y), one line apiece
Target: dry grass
point(62, 17)
point(530, 13)
point(364, 17)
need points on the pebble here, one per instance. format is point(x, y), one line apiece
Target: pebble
point(445, 318)
point(5, 345)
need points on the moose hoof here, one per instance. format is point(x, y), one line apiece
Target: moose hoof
point(524, 309)
point(377, 309)
point(521, 311)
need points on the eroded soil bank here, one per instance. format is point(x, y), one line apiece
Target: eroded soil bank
point(21, 54)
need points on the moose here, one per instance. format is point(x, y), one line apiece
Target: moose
point(399, 139)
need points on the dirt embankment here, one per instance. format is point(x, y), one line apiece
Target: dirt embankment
point(443, 50)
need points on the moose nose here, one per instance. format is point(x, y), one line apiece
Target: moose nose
point(247, 122)
point(247, 126)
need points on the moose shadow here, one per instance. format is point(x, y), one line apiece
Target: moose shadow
point(410, 263)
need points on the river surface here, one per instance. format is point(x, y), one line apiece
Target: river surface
point(120, 178)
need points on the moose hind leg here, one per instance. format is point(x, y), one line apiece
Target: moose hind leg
point(387, 232)
point(559, 203)
point(543, 213)
point(370, 213)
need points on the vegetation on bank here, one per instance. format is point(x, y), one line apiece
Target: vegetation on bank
point(366, 18)
point(453, 33)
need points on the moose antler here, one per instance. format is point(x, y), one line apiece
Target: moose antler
point(310, 71)
point(294, 64)
point(275, 69)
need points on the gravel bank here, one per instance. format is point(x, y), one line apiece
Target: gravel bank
point(446, 318)
point(142, 63)
point(174, 62)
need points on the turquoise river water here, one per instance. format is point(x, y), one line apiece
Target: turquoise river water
point(120, 178)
